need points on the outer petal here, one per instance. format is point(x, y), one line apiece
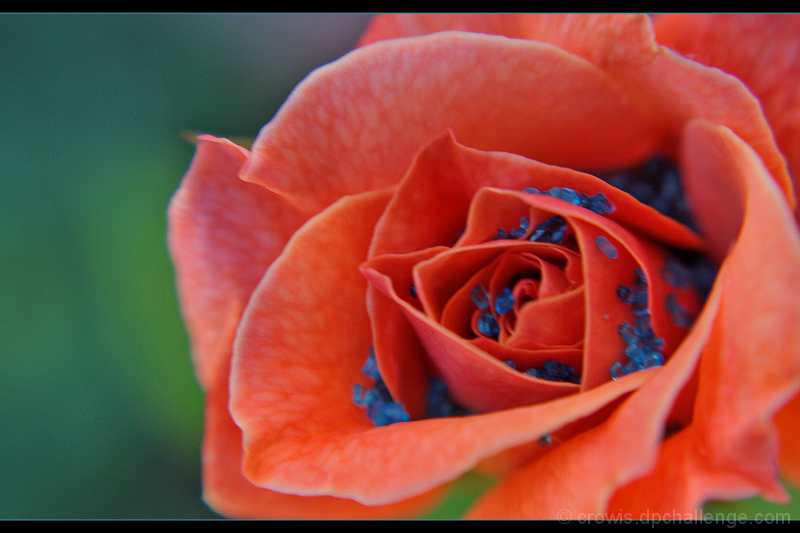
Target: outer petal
point(294, 370)
point(356, 124)
point(228, 492)
point(673, 89)
point(396, 25)
point(751, 366)
point(762, 50)
point(223, 233)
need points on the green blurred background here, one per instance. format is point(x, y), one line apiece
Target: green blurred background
point(101, 413)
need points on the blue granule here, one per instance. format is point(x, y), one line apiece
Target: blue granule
point(555, 371)
point(597, 203)
point(657, 183)
point(643, 348)
point(381, 408)
point(438, 401)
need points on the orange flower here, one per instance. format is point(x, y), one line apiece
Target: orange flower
point(387, 208)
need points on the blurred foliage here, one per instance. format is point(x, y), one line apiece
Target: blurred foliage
point(102, 412)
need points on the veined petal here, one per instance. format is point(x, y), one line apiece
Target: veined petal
point(223, 233)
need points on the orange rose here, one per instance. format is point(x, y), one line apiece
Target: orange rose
point(566, 339)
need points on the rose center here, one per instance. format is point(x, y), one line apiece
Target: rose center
point(517, 291)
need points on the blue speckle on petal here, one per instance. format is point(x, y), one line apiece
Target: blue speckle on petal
point(480, 296)
point(438, 401)
point(607, 247)
point(382, 410)
point(487, 325)
point(504, 302)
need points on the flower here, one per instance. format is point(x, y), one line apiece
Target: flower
point(549, 336)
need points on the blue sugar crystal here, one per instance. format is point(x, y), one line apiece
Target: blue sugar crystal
point(599, 204)
point(625, 294)
point(381, 408)
point(501, 235)
point(480, 296)
point(487, 325)
point(383, 414)
point(412, 290)
point(360, 395)
point(607, 247)
point(566, 194)
point(627, 333)
point(438, 401)
point(617, 370)
point(680, 316)
point(525, 224)
point(551, 230)
point(643, 348)
point(370, 368)
point(554, 371)
point(545, 440)
point(511, 363)
point(504, 302)
point(517, 233)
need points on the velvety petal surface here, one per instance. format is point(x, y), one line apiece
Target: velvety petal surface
point(763, 50)
point(223, 233)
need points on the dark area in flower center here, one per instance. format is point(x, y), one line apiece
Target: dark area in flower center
point(657, 183)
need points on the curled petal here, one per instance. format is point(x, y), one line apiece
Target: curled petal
point(580, 475)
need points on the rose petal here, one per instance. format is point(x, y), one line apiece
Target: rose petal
point(402, 360)
point(223, 233)
point(396, 25)
point(675, 90)
point(787, 421)
point(293, 374)
point(438, 190)
point(751, 366)
point(763, 50)
point(579, 476)
point(228, 492)
point(356, 124)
